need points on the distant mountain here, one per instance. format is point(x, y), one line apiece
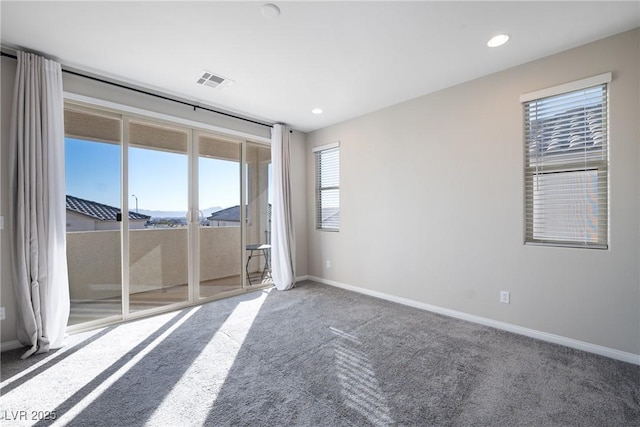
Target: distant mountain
point(176, 214)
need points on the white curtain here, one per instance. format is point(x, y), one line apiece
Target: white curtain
point(37, 223)
point(282, 238)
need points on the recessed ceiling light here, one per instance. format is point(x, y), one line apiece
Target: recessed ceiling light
point(498, 40)
point(317, 111)
point(270, 10)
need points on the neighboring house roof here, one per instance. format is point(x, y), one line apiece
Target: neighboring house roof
point(579, 128)
point(231, 214)
point(97, 210)
point(228, 214)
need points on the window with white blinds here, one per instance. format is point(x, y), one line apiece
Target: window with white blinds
point(328, 187)
point(566, 162)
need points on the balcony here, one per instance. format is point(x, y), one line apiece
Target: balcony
point(158, 269)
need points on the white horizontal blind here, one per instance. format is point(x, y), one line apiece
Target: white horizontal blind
point(566, 162)
point(328, 188)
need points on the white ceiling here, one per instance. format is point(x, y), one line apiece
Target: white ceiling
point(348, 57)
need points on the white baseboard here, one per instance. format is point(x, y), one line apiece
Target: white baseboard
point(301, 278)
point(10, 345)
point(532, 333)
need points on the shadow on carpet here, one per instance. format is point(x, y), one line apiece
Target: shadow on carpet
point(315, 356)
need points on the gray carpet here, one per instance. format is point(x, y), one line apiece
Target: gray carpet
point(314, 356)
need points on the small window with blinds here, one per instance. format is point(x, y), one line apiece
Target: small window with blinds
point(566, 164)
point(328, 187)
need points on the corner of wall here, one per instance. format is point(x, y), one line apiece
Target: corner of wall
point(299, 196)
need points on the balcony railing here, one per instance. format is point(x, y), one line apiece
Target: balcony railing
point(158, 260)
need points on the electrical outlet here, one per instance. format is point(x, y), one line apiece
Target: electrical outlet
point(504, 297)
point(328, 264)
point(2, 315)
point(1, 222)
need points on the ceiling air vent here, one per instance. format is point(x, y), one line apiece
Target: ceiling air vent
point(214, 81)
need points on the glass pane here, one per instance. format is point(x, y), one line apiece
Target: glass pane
point(329, 168)
point(219, 225)
point(567, 127)
point(158, 201)
point(565, 206)
point(258, 173)
point(328, 189)
point(330, 212)
point(93, 232)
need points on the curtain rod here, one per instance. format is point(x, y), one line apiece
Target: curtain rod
point(166, 98)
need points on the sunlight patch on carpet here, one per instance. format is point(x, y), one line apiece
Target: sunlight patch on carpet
point(106, 384)
point(204, 378)
point(49, 358)
point(359, 385)
point(72, 374)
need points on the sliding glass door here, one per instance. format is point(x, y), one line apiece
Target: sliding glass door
point(93, 151)
point(158, 238)
point(220, 215)
point(258, 196)
point(160, 215)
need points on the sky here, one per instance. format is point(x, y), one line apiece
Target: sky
point(157, 178)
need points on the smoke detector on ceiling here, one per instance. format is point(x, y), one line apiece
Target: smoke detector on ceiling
point(214, 81)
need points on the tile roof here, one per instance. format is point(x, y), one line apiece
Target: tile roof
point(228, 214)
point(97, 210)
point(576, 129)
point(232, 214)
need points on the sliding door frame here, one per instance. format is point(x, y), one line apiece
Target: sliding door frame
point(127, 119)
point(128, 113)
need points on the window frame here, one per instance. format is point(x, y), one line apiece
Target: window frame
point(564, 163)
point(320, 189)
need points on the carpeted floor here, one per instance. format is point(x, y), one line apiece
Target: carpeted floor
point(314, 356)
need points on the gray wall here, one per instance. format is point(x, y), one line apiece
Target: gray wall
point(432, 205)
point(298, 155)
